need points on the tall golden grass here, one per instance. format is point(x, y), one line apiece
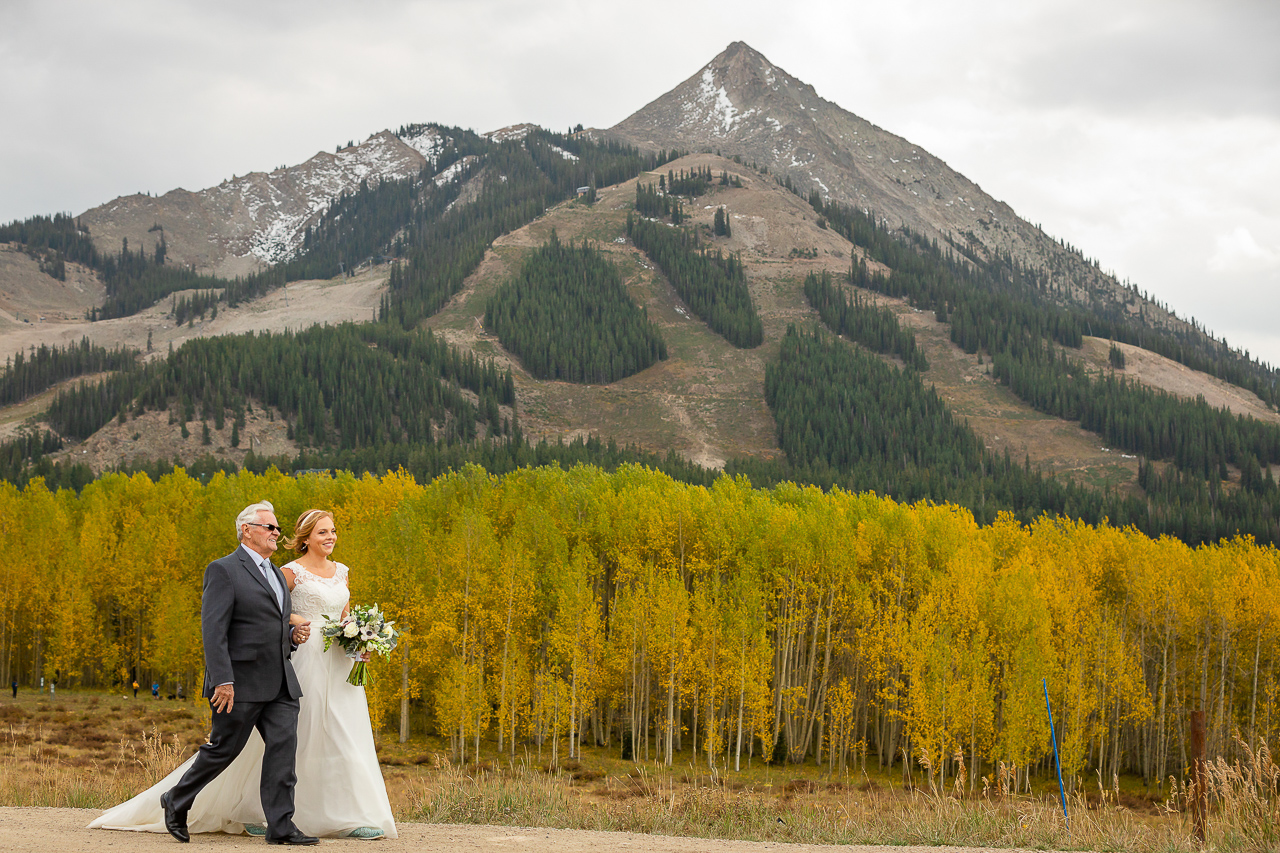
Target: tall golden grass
point(1243, 813)
point(603, 794)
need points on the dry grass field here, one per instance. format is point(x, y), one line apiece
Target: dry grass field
point(90, 750)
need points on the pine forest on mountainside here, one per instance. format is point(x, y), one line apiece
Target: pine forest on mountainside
point(525, 178)
point(714, 286)
point(847, 418)
point(1022, 335)
point(567, 315)
point(1004, 288)
point(26, 375)
point(991, 308)
point(876, 328)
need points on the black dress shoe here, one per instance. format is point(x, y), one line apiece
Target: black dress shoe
point(295, 837)
point(174, 822)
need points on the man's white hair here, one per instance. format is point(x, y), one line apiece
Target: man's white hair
point(249, 515)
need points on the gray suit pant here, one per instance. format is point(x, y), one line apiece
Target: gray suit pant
point(277, 722)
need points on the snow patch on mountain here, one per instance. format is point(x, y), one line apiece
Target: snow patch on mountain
point(427, 141)
point(717, 101)
point(506, 134)
point(453, 171)
point(285, 203)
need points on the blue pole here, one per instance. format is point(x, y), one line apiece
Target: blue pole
point(1062, 793)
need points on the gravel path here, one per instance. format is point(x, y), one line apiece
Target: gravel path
point(64, 829)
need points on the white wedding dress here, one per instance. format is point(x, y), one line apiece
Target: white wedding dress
point(340, 785)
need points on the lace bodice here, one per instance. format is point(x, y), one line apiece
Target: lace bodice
point(315, 597)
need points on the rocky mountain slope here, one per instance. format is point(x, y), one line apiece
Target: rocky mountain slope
point(252, 221)
point(740, 104)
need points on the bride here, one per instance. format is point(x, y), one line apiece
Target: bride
point(340, 791)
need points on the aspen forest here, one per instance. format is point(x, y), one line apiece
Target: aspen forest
point(547, 609)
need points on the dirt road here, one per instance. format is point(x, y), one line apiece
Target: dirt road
point(64, 829)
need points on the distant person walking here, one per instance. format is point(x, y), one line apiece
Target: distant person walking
point(15, 688)
point(155, 690)
point(135, 688)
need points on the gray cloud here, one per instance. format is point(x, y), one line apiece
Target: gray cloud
point(1199, 58)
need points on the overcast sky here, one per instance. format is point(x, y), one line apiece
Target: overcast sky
point(1145, 133)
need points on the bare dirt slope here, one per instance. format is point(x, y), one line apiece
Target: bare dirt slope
point(301, 304)
point(27, 294)
point(27, 830)
point(1157, 371)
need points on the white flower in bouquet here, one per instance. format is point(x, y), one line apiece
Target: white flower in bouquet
point(362, 633)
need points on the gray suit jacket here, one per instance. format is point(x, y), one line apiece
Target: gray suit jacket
point(246, 635)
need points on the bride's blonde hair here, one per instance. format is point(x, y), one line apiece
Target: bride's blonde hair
point(302, 530)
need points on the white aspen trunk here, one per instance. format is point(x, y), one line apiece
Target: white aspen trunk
point(573, 694)
point(502, 696)
point(633, 712)
point(693, 749)
point(973, 752)
point(742, 697)
point(404, 694)
point(671, 710)
point(1253, 699)
point(648, 706)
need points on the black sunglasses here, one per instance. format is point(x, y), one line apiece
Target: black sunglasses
point(270, 527)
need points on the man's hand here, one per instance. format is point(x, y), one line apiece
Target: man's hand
point(224, 698)
point(301, 632)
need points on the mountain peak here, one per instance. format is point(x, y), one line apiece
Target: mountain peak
point(738, 91)
point(742, 105)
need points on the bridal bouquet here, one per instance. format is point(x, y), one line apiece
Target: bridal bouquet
point(361, 633)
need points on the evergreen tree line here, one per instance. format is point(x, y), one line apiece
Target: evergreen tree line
point(721, 226)
point(712, 285)
point(1020, 335)
point(598, 163)
point(1195, 436)
point(135, 280)
point(27, 374)
point(568, 316)
point(24, 459)
point(652, 204)
point(1196, 509)
point(875, 327)
point(18, 456)
point(195, 305)
point(938, 281)
point(910, 451)
point(522, 178)
point(349, 386)
point(847, 418)
point(52, 240)
point(693, 183)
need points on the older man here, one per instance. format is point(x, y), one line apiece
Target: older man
point(249, 681)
